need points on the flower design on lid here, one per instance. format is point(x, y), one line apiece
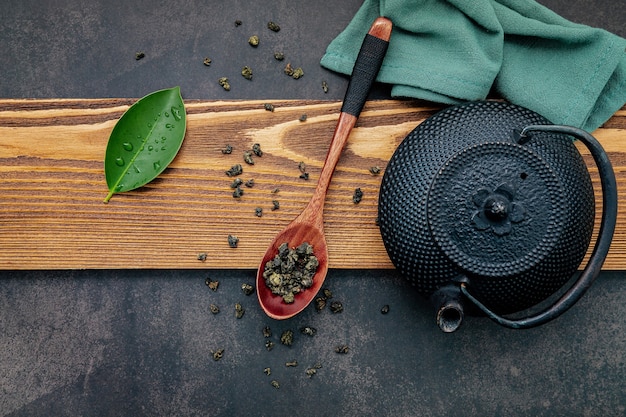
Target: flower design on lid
point(497, 209)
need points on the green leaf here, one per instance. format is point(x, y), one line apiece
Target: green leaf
point(144, 141)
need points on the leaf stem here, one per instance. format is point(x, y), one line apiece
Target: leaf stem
point(108, 197)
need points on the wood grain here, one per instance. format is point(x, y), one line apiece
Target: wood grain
point(52, 186)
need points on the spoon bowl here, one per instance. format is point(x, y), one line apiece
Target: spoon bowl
point(309, 225)
point(295, 233)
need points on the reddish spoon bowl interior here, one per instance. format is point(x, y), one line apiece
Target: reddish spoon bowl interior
point(272, 304)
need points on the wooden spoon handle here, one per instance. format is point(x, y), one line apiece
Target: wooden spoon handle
point(366, 67)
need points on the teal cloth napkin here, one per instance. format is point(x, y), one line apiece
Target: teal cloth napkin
point(452, 51)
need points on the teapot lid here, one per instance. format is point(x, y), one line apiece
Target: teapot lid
point(495, 208)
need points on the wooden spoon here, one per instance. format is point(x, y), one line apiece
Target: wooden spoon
point(309, 225)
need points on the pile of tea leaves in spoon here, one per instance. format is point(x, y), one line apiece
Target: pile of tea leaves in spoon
point(291, 271)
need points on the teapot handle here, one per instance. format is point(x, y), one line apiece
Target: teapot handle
point(603, 242)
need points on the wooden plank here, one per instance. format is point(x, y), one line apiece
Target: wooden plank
point(52, 186)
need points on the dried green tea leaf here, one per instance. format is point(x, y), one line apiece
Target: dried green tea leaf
point(247, 289)
point(144, 141)
point(291, 271)
point(217, 354)
point(273, 27)
point(239, 311)
point(287, 338)
point(253, 41)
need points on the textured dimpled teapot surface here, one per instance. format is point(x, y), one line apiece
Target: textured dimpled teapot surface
point(461, 199)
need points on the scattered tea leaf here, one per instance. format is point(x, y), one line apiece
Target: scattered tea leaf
point(238, 192)
point(320, 303)
point(336, 307)
point(239, 311)
point(246, 72)
point(273, 27)
point(247, 289)
point(343, 349)
point(288, 69)
point(213, 285)
point(218, 354)
point(357, 196)
point(267, 332)
point(144, 141)
point(297, 73)
point(287, 338)
point(233, 241)
point(235, 170)
point(313, 370)
point(304, 174)
point(207, 61)
point(223, 81)
point(247, 157)
point(253, 41)
point(139, 55)
point(308, 330)
point(236, 183)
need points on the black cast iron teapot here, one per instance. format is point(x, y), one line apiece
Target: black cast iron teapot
point(488, 204)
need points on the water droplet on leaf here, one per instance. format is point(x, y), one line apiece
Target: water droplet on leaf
point(176, 113)
point(128, 146)
point(119, 162)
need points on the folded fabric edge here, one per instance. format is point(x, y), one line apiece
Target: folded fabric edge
point(612, 99)
point(424, 85)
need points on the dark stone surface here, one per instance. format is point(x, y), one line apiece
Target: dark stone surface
point(140, 342)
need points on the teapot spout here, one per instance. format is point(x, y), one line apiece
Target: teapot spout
point(448, 307)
